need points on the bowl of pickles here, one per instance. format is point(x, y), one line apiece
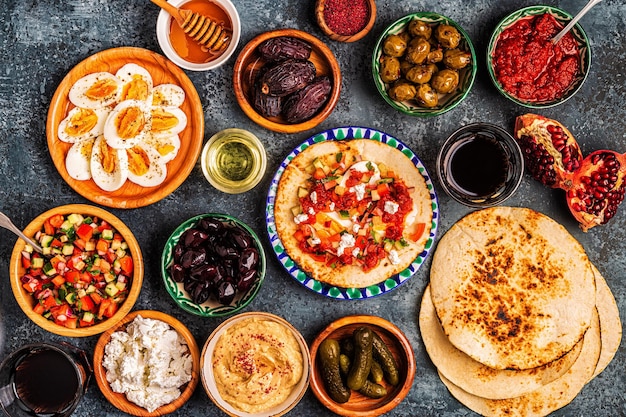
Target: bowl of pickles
point(424, 64)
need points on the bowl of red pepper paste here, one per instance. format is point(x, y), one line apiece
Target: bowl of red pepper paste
point(527, 67)
point(345, 20)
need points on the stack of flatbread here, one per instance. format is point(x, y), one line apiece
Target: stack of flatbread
point(516, 318)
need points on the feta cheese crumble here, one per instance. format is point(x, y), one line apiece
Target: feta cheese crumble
point(347, 241)
point(148, 362)
point(302, 217)
point(393, 257)
point(391, 207)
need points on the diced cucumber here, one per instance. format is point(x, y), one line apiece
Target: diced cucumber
point(71, 298)
point(68, 249)
point(120, 285)
point(64, 238)
point(302, 192)
point(296, 210)
point(90, 246)
point(90, 289)
point(116, 244)
point(82, 293)
point(28, 248)
point(120, 253)
point(107, 234)
point(109, 277)
point(75, 218)
point(46, 241)
point(88, 317)
point(37, 263)
point(46, 251)
point(49, 270)
point(111, 289)
point(66, 225)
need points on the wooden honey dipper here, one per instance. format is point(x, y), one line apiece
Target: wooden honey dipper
point(203, 30)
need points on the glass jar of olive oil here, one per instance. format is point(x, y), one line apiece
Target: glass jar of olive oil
point(234, 160)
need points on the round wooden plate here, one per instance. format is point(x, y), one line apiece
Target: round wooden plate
point(319, 16)
point(162, 70)
point(26, 300)
point(359, 405)
point(249, 62)
point(119, 400)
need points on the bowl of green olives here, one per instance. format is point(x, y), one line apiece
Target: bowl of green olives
point(424, 64)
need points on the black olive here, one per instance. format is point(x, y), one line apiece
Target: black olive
point(246, 279)
point(226, 292)
point(211, 226)
point(248, 259)
point(226, 252)
point(204, 272)
point(240, 238)
point(178, 252)
point(189, 285)
point(201, 293)
point(178, 272)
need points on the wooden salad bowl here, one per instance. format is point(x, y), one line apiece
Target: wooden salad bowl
point(319, 16)
point(119, 400)
point(359, 405)
point(249, 62)
point(26, 300)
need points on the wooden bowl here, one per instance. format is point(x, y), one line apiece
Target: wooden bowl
point(26, 300)
point(249, 62)
point(319, 16)
point(359, 405)
point(208, 378)
point(163, 71)
point(119, 400)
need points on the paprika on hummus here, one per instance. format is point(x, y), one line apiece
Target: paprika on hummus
point(256, 364)
point(529, 66)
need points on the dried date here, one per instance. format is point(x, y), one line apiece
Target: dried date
point(287, 77)
point(284, 47)
point(304, 103)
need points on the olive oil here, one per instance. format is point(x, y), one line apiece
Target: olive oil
point(46, 382)
point(478, 166)
point(234, 160)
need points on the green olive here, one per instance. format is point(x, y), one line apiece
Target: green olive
point(456, 58)
point(389, 68)
point(420, 74)
point(445, 81)
point(448, 36)
point(435, 56)
point(420, 28)
point(394, 45)
point(426, 96)
point(402, 91)
point(417, 51)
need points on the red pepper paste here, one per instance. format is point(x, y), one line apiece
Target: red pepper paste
point(346, 17)
point(529, 66)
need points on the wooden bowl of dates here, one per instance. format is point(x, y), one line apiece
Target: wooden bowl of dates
point(287, 80)
point(390, 349)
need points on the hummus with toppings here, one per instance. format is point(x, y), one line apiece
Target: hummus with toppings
point(256, 364)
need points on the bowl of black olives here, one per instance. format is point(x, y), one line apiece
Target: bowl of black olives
point(213, 265)
point(424, 64)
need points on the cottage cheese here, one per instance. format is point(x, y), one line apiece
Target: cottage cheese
point(148, 362)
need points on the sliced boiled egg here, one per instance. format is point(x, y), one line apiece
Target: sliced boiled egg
point(136, 83)
point(127, 124)
point(78, 160)
point(96, 90)
point(82, 123)
point(109, 166)
point(168, 95)
point(166, 146)
point(145, 166)
point(167, 121)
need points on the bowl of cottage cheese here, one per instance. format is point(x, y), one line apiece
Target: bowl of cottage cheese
point(147, 365)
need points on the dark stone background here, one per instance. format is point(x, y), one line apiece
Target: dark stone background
point(40, 41)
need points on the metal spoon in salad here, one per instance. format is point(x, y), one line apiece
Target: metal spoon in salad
point(8, 224)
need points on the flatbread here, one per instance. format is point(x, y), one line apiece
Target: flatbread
point(548, 398)
point(296, 175)
point(476, 378)
point(610, 323)
point(512, 288)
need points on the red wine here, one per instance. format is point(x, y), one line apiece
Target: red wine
point(46, 381)
point(478, 165)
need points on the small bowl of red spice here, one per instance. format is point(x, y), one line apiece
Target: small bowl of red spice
point(531, 70)
point(345, 20)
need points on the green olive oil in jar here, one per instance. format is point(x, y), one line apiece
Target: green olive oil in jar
point(234, 160)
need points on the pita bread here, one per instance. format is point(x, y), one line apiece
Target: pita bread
point(512, 288)
point(476, 378)
point(296, 175)
point(548, 398)
point(610, 324)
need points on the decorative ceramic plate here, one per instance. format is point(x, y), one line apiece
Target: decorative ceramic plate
point(446, 102)
point(579, 35)
point(341, 133)
point(163, 71)
point(211, 307)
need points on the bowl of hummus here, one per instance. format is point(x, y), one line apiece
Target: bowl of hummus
point(255, 363)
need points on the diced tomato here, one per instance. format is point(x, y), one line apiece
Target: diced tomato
point(71, 322)
point(299, 235)
point(383, 189)
point(72, 276)
point(103, 226)
point(39, 308)
point(110, 256)
point(58, 281)
point(26, 262)
point(56, 243)
point(104, 305)
point(48, 228)
point(360, 241)
point(56, 221)
point(111, 309)
point(86, 303)
point(84, 323)
point(49, 302)
point(84, 231)
point(97, 298)
point(80, 244)
point(328, 185)
point(319, 257)
point(56, 261)
point(319, 174)
point(86, 277)
point(126, 263)
point(102, 246)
